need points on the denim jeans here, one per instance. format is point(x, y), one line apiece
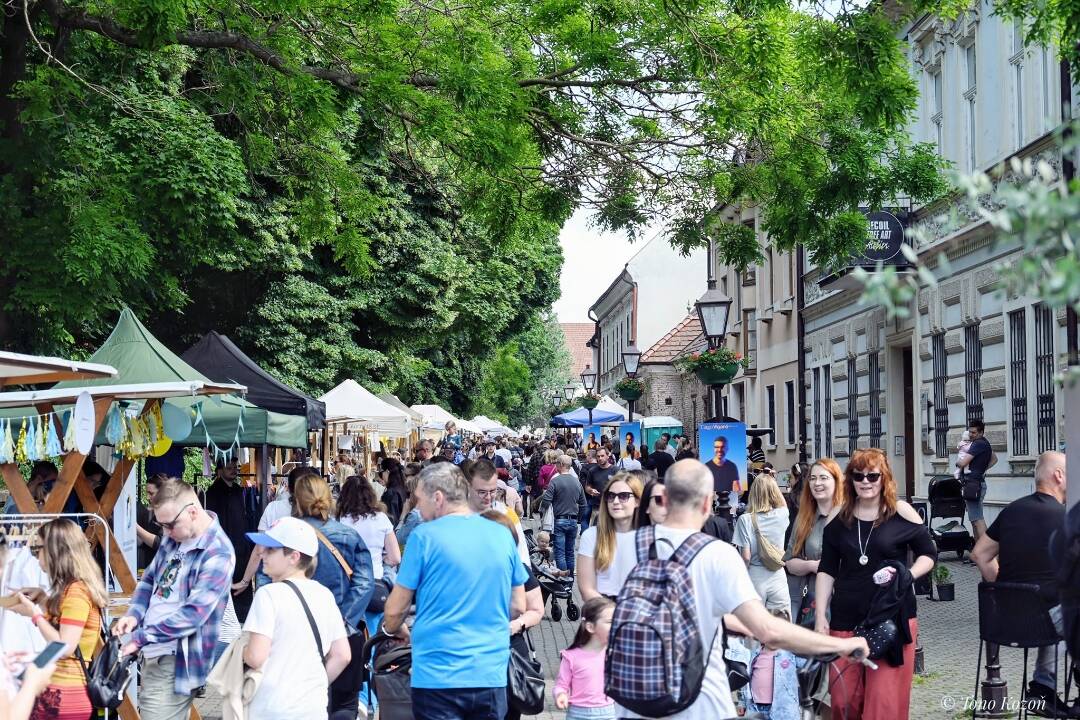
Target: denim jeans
point(459, 703)
point(564, 537)
point(586, 517)
point(1047, 662)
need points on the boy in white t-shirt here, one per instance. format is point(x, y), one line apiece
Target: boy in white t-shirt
point(299, 659)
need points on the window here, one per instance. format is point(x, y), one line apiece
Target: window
point(1017, 61)
point(937, 114)
point(738, 391)
point(770, 279)
point(791, 274)
point(770, 393)
point(973, 373)
point(817, 412)
point(789, 389)
point(941, 407)
point(852, 407)
point(875, 401)
point(1018, 372)
point(969, 96)
point(828, 409)
point(750, 337)
point(1044, 378)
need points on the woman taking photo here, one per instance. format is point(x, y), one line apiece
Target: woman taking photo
point(72, 615)
point(822, 492)
point(759, 535)
point(873, 531)
point(344, 567)
point(606, 553)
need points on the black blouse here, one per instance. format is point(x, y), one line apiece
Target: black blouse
point(854, 588)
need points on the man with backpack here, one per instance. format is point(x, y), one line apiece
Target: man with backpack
point(665, 655)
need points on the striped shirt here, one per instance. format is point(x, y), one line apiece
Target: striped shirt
point(77, 610)
point(196, 624)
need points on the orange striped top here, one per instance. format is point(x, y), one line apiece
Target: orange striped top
point(77, 609)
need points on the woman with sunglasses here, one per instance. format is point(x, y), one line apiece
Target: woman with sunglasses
point(72, 615)
point(872, 531)
point(653, 509)
point(820, 498)
point(606, 553)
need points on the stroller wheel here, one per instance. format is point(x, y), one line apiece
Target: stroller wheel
point(556, 611)
point(572, 612)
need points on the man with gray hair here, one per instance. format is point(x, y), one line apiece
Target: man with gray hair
point(721, 586)
point(467, 578)
point(567, 500)
point(1016, 548)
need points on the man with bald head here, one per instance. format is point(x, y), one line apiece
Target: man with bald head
point(722, 585)
point(1016, 548)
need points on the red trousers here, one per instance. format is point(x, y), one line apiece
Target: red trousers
point(865, 694)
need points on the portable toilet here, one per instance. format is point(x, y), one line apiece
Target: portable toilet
point(653, 427)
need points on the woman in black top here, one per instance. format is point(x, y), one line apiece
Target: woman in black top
point(872, 529)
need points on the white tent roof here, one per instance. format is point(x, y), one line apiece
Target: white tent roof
point(351, 401)
point(19, 369)
point(469, 426)
point(660, 421)
point(485, 423)
point(435, 415)
point(609, 405)
point(138, 391)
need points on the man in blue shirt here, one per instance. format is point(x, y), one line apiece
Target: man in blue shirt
point(467, 578)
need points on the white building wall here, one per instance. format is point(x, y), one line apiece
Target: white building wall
point(668, 286)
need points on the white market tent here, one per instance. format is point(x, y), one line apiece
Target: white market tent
point(485, 423)
point(19, 369)
point(394, 400)
point(608, 405)
point(137, 391)
point(352, 402)
point(435, 415)
point(469, 427)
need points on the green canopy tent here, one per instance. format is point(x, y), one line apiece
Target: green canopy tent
point(139, 357)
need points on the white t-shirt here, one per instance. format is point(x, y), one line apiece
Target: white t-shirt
point(372, 529)
point(276, 510)
point(294, 683)
point(610, 581)
point(506, 455)
point(721, 584)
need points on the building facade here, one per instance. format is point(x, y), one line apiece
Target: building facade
point(969, 350)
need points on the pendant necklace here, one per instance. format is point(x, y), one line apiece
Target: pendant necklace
point(863, 559)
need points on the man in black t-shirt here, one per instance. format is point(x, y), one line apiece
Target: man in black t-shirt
point(1016, 548)
point(980, 458)
point(725, 474)
point(661, 460)
point(596, 482)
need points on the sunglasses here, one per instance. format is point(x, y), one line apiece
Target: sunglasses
point(657, 500)
point(865, 477)
point(172, 523)
point(622, 497)
point(35, 550)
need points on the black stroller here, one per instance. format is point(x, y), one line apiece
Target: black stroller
point(947, 502)
point(552, 586)
point(389, 674)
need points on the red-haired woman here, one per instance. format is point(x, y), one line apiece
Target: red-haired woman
point(871, 536)
point(820, 497)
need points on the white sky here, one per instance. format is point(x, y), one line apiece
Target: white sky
point(591, 261)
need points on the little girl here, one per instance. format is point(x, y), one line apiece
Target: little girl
point(962, 451)
point(579, 689)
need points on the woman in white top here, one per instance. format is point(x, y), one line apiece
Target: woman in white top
point(298, 659)
point(607, 553)
point(358, 508)
point(767, 511)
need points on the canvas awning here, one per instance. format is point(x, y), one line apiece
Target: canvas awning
point(434, 415)
point(391, 399)
point(352, 402)
point(580, 418)
point(217, 357)
point(141, 391)
point(19, 369)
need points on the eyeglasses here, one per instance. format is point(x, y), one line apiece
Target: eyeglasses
point(865, 477)
point(172, 523)
point(623, 497)
point(487, 493)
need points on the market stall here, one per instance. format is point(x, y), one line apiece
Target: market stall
point(352, 411)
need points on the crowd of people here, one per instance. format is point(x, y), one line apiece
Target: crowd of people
point(272, 608)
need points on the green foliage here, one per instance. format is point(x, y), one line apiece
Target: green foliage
point(942, 575)
point(505, 387)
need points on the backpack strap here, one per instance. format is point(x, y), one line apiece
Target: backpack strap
point(644, 539)
point(310, 618)
point(690, 547)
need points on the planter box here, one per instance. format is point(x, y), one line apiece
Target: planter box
point(589, 403)
point(718, 376)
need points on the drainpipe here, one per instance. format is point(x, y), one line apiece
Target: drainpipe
point(800, 303)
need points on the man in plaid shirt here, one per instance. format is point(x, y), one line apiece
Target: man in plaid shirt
point(176, 611)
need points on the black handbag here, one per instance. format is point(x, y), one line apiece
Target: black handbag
point(880, 637)
point(525, 685)
point(807, 616)
point(971, 488)
point(738, 672)
point(378, 596)
point(107, 674)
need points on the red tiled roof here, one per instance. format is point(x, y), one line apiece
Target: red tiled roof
point(683, 338)
point(576, 335)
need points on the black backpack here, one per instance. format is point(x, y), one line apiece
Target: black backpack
point(108, 674)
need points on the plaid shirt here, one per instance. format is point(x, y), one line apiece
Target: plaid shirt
point(194, 626)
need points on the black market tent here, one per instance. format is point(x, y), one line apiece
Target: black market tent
point(217, 357)
point(139, 357)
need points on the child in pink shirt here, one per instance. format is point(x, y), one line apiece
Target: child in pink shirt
point(579, 689)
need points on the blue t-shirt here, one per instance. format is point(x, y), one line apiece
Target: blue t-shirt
point(462, 568)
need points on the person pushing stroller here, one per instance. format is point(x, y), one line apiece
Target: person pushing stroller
point(567, 500)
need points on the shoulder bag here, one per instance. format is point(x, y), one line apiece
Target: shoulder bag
point(310, 618)
point(771, 556)
point(525, 684)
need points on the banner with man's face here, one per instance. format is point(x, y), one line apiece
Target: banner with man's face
point(629, 434)
point(723, 450)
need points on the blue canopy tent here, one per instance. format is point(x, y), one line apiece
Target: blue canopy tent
point(580, 418)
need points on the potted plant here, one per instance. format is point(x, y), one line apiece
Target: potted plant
point(943, 580)
point(590, 400)
point(716, 366)
point(630, 389)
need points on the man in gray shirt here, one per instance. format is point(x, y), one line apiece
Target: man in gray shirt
point(567, 500)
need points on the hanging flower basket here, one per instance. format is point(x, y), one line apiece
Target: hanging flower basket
point(718, 376)
point(589, 402)
point(630, 389)
point(717, 366)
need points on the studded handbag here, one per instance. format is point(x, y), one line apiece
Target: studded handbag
point(880, 637)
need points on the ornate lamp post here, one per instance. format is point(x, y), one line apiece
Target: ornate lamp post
point(588, 381)
point(713, 309)
point(631, 357)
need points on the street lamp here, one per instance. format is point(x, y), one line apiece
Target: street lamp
point(569, 390)
point(588, 378)
point(631, 357)
point(556, 400)
point(714, 309)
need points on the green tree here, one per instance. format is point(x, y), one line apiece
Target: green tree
point(506, 386)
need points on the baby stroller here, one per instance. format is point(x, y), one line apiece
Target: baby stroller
point(947, 502)
point(552, 586)
point(389, 676)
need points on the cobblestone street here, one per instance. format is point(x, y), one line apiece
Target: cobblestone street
point(949, 633)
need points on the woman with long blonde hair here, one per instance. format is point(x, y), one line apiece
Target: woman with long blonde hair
point(820, 498)
point(607, 553)
point(759, 535)
point(72, 615)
